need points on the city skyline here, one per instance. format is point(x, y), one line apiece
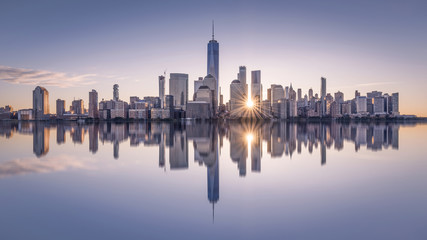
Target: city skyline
point(199, 119)
point(366, 60)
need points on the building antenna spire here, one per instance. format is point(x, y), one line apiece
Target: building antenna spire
point(213, 30)
point(213, 212)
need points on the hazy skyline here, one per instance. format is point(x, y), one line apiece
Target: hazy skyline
point(73, 47)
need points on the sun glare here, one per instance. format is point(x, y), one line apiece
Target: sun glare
point(249, 103)
point(249, 137)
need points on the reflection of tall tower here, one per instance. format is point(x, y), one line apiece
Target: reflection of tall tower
point(213, 59)
point(162, 148)
point(116, 149)
point(40, 139)
point(278, 131)
point(60, 134)
point(178, 153)
point(93, 138)
point(394, 136)
point(213, 182)
point(213, 172)
point(256, 152)
point(322, 144)
point(205, 141)
point(77, 134)
point(238, 148)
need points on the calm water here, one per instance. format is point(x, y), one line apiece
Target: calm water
point(213, 181)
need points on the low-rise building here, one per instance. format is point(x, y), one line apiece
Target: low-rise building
point(25, 114)
point(138, 113)
point(199, 110)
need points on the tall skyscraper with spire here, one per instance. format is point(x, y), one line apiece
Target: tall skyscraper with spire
point(213, 58)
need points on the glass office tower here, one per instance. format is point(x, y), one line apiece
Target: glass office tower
point(213, 59)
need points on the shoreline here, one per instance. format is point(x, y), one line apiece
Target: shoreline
point(291, 120)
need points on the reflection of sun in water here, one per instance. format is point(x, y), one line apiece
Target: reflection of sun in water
point(249, 137)
point(249, 103)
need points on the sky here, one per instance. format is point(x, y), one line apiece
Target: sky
point(72, 47)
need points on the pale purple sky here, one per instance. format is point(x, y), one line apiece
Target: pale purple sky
point(76, 46)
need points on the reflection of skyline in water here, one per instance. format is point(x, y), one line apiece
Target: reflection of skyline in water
point(281, 138)
point(245, 141)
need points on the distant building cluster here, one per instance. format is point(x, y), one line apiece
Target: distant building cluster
point(285, 103)
point(207, 102)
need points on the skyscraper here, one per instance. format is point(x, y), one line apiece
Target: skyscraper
point(395, 103)
point(78, 107)
point(323, 87)
point(211, 82)
point(238, 98)
point(361, 105)
point(339, 97)
point(287, 92)
point(356, 94)
point(323, 95)
point(277, 97)
point(93, 104)
point(169, 104)
point(40, 102)
point(277, 93)
point(213, 59)
point(198, 83)
point(242, 74)
point(60, 107)
point(256, 87)
point(162, 90)
point(116, 92)
point(178, 88)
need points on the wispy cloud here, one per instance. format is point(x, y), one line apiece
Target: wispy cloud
point(42, 77)
point(46, 165)
point(375, 84)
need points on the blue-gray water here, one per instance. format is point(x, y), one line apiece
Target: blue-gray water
point(213, 181)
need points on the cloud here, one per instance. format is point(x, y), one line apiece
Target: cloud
point(42, 77)
point(46, 165)
point(375, 84)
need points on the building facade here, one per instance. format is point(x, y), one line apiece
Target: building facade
point(93, 104)
point(256, 87)
point(213, 59)
point(40, 102)
point(162, 90)
point(60, 107)
point(178, 88)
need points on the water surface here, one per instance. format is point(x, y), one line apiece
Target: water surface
point(213, 181)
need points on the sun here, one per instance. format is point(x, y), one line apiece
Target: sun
point(249, 137)
point(249, 103)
